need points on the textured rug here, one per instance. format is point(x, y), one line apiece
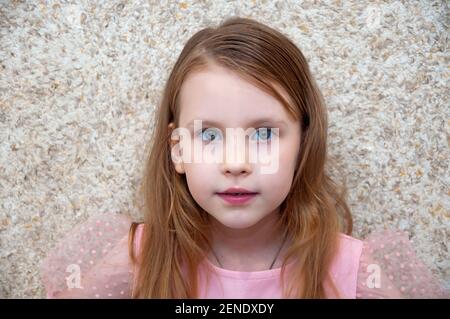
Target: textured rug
point(79, 84)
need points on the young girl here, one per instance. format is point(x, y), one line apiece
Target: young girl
point(233, 228)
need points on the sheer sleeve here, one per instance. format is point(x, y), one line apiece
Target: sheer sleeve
point(389, 268)
point(91, 261)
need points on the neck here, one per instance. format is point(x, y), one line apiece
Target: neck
point(248, 249)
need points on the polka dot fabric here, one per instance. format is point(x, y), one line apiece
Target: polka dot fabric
point(91, 261)
point(390, 268)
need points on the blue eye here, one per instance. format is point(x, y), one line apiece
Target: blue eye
point(264, 133)
point(210, 134)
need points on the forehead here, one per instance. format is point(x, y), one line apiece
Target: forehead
point(221, 95)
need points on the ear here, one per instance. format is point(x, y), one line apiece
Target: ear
point(173, 141)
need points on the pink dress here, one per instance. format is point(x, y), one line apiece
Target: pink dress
point(92, 262)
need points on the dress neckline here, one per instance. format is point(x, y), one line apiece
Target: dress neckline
point(259, 274)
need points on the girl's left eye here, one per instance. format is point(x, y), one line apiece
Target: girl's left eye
point(264, 133)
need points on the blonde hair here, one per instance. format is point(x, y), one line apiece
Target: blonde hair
point(176, 228)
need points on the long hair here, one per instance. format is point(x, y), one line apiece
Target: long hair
point(176, 234)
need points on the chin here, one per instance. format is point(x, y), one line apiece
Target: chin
point(237, 223)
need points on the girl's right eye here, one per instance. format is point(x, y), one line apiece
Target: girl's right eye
point(209, 134)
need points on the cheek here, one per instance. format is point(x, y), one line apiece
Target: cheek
point(288, 158)
point(278, 184)
point(289, 155)
point(199, 178)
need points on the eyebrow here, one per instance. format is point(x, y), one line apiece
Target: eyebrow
point(261, 121)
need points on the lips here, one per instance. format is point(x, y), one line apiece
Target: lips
point(237, 195)
point(237, 191)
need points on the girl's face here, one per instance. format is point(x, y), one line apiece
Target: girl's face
point(219, 96)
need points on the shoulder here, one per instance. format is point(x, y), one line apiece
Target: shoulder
point(349, 252)
point(136, 234)
point(349, 239)
point(139, 229)
point(345, 265)
point(350, 245)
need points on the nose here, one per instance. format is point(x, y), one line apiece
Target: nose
point(238, 163)
point(235, 168)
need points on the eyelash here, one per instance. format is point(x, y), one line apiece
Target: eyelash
point(268, 129)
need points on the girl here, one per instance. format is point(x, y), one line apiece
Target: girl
point(229, 228)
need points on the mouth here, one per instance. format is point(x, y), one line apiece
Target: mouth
point(237, 196)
